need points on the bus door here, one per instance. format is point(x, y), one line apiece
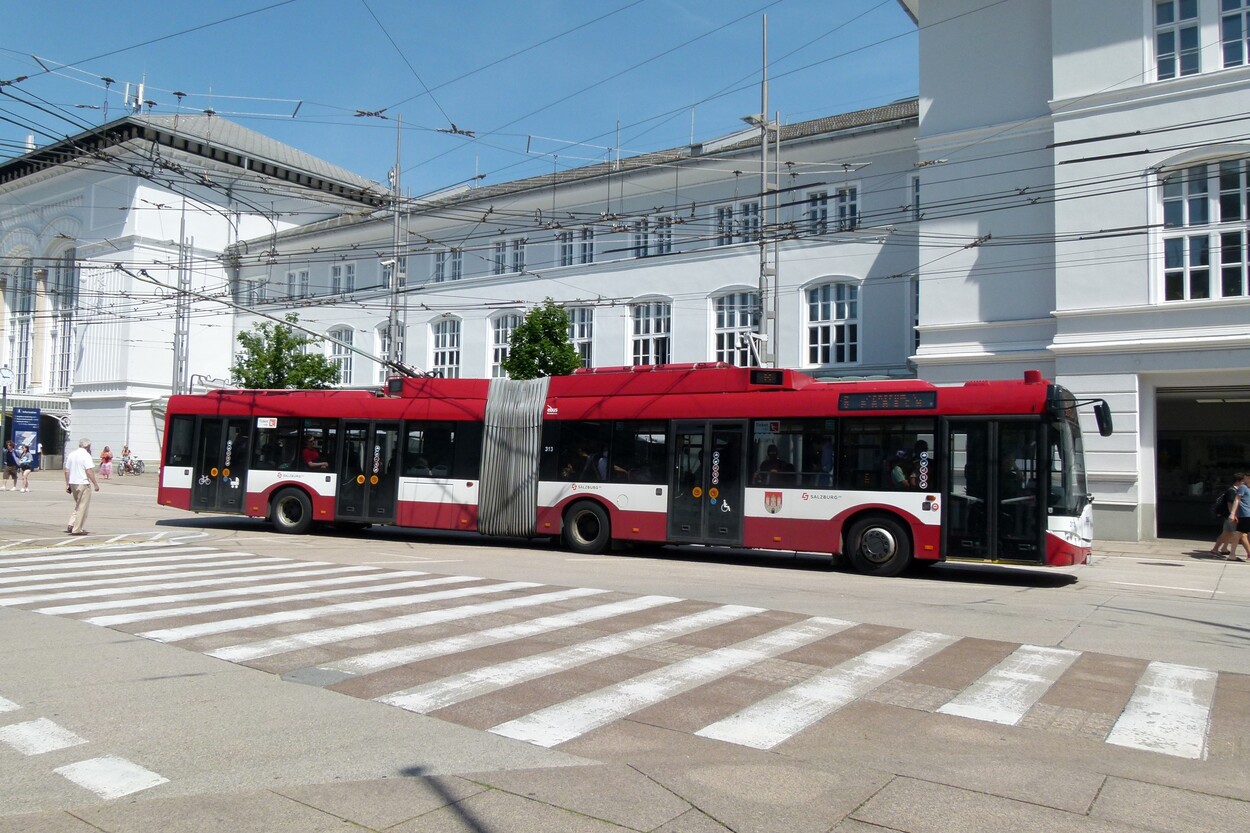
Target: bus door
point(221, 460)
point(995, 509)
point(706, 483)
point(368, 472)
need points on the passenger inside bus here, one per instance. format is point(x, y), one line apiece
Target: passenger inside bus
point(773, 470)
point(311, 455)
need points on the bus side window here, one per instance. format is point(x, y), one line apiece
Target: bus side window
point(466, 463)
point(181, 430)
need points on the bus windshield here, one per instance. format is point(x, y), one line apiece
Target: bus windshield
point(1068, 492)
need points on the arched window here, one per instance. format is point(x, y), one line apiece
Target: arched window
point(341, 354)
point(384, 348)
point(446, 342)
point(652, 332)
point(502, 328)
point(736, 314)
point(21, 300)
point(833, 324)
point(63, 289)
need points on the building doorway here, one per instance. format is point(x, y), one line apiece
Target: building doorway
point(1203, 436)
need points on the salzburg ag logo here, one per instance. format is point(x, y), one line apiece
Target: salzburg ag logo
point(772, 502)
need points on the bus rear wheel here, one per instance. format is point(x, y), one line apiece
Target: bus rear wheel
point(879, 546)
point(291, 512)
point(587, 529)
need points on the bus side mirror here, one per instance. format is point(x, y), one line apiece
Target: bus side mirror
point(1102, 415)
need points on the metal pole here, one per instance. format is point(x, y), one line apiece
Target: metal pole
point(766, 315)
point(392, 324)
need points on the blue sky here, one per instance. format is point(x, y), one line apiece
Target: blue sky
point(542, 84)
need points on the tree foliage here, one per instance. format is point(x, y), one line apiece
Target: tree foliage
point(274, 356)
point(540, 344)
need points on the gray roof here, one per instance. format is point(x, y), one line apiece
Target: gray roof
point(225, 134)
point(210, 137)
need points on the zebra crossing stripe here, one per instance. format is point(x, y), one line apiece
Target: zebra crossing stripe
point(114, 570)
point(460, 687)
point(101, 557)
point(35, 737)
point(303, 614)
point(1169, 712)
point(786, 713)
point(110, 776)
point(1006, 692)
point(283, 644)
point(573, 718)
point(150, 601)
point(8, 705)
point(92, 549)
point(171, 612)
point(381, 660)
point(131, 587)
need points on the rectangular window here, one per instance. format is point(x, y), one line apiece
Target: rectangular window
point(1233, 264)
point(290, 285)
point(446, 359)
point(736, 316)
point(848, 209)
point(1205, 210)
point(384, 350)
point(748, 222)
point(501, 342)
point(915, 198)
point(588, 245)
point(518, 255)
point(885, 454)
point(663, 235)
point(342, 278)
point(499, 264)
point(793, 452)
point(564, 248)
point(833, 324)
point(448, 265)
point(304, 287)
point(1232, 191)
point(582, 331)
point(443, 449)
point(818, 212)
point(1234, 30)
point(642, 238)
point(1177, 45)
point(652, 329)
point(724, 225)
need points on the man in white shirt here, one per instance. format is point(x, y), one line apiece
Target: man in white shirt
point(79, 482)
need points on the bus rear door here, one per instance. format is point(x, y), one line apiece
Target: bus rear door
point(995, 507)
point(368, 472)
point(219, 480)
point(706, 483)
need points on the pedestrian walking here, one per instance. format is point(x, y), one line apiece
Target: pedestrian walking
point(1241, 513)
point(79, 482)
point(25, 462)
point(1226, 544)
point(10, 467)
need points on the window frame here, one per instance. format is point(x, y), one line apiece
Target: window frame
point(651, 332)
point(832, 340)
point(445, 342)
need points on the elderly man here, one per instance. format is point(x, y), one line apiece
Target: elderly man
point(79, 482)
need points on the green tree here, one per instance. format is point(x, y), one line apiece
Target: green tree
point(274, 356)
point(540, 344)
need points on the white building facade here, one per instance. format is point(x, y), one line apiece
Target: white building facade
point(98, 234)
point(1086, 212)
point(657, 259)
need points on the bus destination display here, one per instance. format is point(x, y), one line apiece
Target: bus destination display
point(925, 400)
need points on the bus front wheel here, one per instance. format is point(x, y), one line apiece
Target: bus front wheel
point(879, 546)
point(291, 512)
point(587, 529)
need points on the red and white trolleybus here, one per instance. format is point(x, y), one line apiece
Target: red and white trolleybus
point(885, 473)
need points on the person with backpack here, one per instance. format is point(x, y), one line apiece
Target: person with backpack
point(1225, 508)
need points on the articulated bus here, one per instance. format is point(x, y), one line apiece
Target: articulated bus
point(882, 473)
